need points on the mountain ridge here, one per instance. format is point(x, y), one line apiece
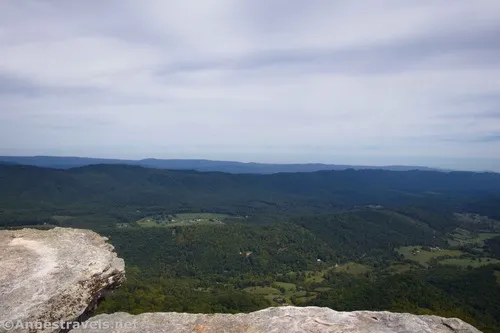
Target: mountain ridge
point(67, 162)
point(106, 186)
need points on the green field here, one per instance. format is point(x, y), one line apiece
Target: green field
point(305, 299)
point(262, 290)
point(194, 216)
point(184, 219)
point(400, 268)
point(461, 237)
point(464, 262)
point(485, 236)
point(287, 286)
point(352, 268)
point(289, 295)
point(349, 268)
point(315, 277)
point(422, 257)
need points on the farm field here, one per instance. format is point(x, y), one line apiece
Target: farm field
point(422, 257)
point(461, 237)
point(465, 262)
point(183, 219)
point(400, 268)
point(315, 277)
point(282, 293)
point(352, 268)
point(262, 290)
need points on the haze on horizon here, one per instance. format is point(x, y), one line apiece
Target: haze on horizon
point(384, 82)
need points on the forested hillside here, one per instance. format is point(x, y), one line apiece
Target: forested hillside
point(110, 188)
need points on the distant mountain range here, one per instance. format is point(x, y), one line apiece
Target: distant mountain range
point(57, 162)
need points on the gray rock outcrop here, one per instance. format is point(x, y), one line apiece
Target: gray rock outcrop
point(276, 320)
point(53, 276)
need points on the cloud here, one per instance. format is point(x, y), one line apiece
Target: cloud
point(490, 138)
point(384, 82)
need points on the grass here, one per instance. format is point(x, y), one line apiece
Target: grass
point(352, 268)
point(184, 219)
point(485, 236)
point(271, 293)
point(263, 291)
point(464, 262)
point(459, 257)
point(400, 268)
point(464, 237)
point(271, 298)
point(306, 299)
point(315, 277)
point(423, 257)
point(193, 216)
point(287, 286)
point(302, 293)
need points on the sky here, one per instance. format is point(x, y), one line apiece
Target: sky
point(380, 82)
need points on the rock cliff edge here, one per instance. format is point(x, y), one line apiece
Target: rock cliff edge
point(54, 275)
point(278, 320)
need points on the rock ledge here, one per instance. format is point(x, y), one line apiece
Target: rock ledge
point(54, 275)
point(277, 320)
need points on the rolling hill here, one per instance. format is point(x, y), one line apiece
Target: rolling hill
point(196, 164)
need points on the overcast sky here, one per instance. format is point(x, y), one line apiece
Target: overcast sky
point(347, 82)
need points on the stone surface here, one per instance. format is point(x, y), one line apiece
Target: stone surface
point(53, 275)
point(276, 320)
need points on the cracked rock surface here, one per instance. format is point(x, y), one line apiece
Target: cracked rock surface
point(54, 275)
point(277, 320)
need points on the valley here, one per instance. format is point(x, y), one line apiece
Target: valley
point(418, 242)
